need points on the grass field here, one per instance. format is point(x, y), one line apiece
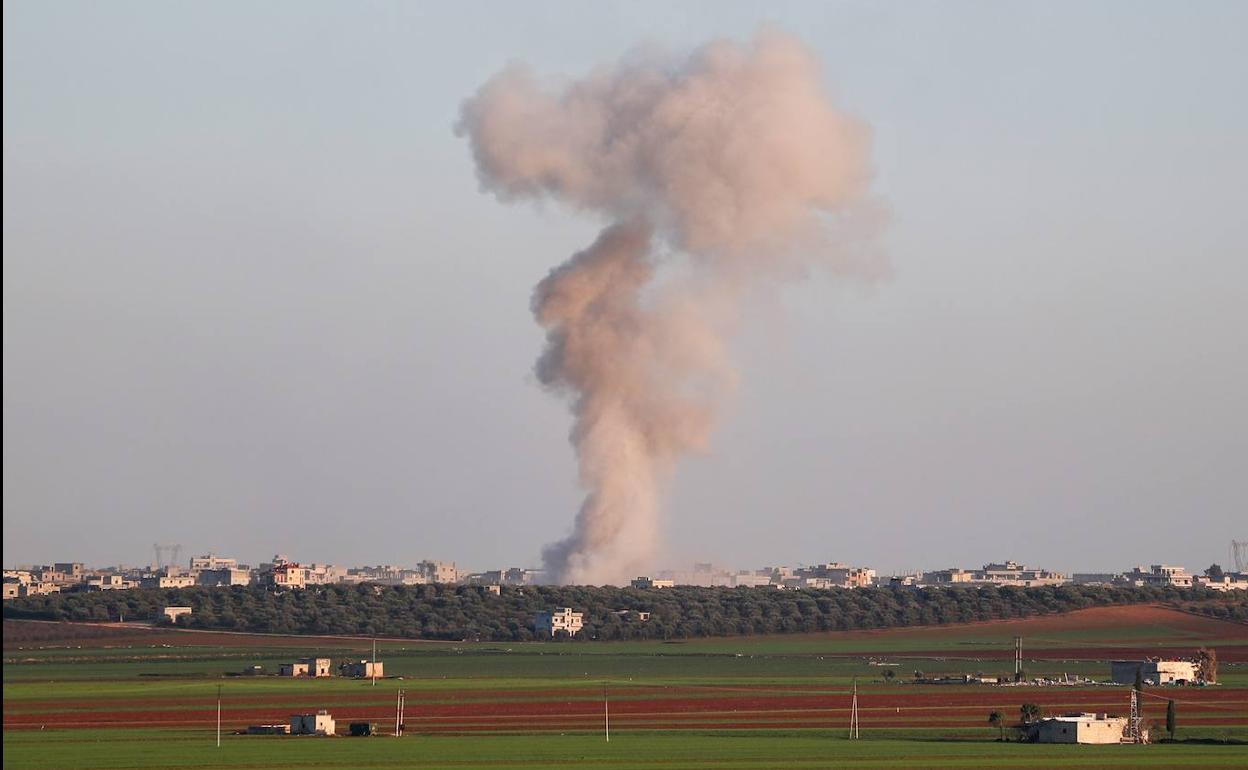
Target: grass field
point(147, 699)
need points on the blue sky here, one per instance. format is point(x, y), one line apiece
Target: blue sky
point(254, 300)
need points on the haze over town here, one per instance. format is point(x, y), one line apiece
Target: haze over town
point(280, 316)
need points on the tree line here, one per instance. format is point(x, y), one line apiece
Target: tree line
point(455, 612)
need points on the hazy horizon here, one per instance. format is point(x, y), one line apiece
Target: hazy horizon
point(256, 302)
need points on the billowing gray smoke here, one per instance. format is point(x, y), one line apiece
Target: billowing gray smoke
point(719, 173)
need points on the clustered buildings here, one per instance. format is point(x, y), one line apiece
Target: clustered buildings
point(1008, 573)
point(212, 570)
point(283, 572)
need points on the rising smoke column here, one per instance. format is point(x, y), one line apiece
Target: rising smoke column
point(719, 173)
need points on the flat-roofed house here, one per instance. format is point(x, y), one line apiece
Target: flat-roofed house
point(561, 619)
point(1079, 728)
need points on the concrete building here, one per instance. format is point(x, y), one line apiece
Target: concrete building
point(18, 576)
point(438, 571)
point(12, 589)
point(832, 575)
point(224, 576)
point(1228, 581)
point(212, 562)
point(70, 570)
point(562, 619)
point(952, 575)
point(1159, 575)
point(646, 583)
point(365, 669)
point(168, 581)
point(172, 614)
point(38, 588)
point(307, 667)
point(320, 723)
point(1079, 728)
point(110, 583)
point(324, 574)
point(287, 575)
point(1011, 573)
point(1153, 671)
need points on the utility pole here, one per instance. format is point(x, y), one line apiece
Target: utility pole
point(606, 713)
point(218, 716)
point(1133, 722)
point(1018, 659)
point(853, 714)
point(398, 715)
point(374, 669)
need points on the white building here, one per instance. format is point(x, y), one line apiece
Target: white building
point(561, 619)
point(832, 575)
point(1153, 671)
point(320, 723)
point(1159, 575)
point(1011, 573)
point(1079, 728)
point(307, 667)
point(947, 576)
point(288, 575)
point(173, 613)
point(210, 561)
point(1229, 581)
point(645, 582)
point(109, 583)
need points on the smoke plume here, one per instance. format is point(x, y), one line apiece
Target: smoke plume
point(719, 173)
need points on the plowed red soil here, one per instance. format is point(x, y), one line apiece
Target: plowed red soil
point(690, 708)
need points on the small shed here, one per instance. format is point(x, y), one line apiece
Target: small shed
point(320, 723)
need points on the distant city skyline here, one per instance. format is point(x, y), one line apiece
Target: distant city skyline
point(256, 302)
point(187, 558)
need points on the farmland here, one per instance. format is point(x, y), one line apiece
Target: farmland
point(100, 696)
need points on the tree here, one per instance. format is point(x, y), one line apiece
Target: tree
point(1030, 712)
point(1207, 668)
point(1170, 718)
point(889, 674)
point(997, 720)
point(1214, 572)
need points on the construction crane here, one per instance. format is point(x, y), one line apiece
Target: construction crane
point(173, 552)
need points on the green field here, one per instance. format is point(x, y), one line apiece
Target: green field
point(654, 750)
point(148, 700)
